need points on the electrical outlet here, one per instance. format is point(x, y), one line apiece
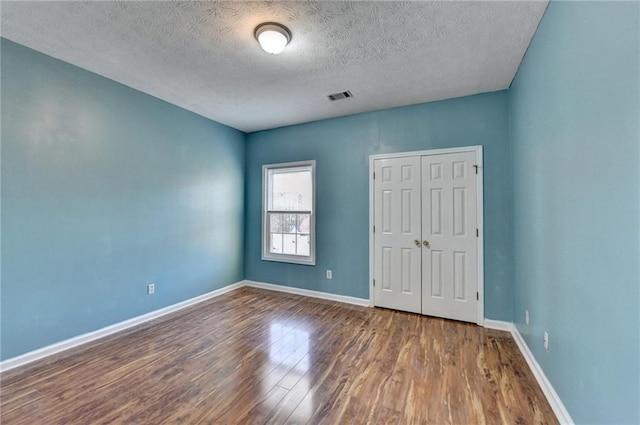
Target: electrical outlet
point(151, 288)
point(546, 340)
point(526, 317)
point(329, 274)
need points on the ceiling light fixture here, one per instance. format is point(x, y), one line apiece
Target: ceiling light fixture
point(272, 37)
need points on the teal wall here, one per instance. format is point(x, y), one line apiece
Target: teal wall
point(341, 148)
point(574, 127)
point(103, 190)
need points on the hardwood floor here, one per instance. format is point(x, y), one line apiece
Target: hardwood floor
point(256, 357)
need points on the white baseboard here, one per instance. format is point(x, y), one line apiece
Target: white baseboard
point(549, 392)
point(309, 293)
point(498, 325)
point(67, 344)
point(552, 396)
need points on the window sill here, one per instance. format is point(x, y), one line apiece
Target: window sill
point(291, 259)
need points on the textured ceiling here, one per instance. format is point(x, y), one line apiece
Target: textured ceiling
point(202, 55)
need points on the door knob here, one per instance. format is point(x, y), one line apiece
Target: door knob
point(417, 242)
point(425, 243)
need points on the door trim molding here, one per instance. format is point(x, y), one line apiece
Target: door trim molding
point(477, 149)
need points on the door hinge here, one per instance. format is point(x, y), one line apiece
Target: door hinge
point(477, 296)
point(477, 233)
point(374, 175)
point(374, 229)
point(476, 167)
point(374, 282)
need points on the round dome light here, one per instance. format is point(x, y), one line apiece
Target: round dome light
point(272, 37)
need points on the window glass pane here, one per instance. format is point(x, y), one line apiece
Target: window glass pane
point(290, 189)
point(303, 245)
point(276, 223)
point(289, 223)
point(276, 243)
point(303, 223)
point(289, 234)
point(289, 243)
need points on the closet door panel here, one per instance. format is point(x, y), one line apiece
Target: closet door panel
point(449, 242)
point(397, 268)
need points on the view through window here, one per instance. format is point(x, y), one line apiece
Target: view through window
point(288, 215)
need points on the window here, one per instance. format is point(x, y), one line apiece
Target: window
point(288, 212)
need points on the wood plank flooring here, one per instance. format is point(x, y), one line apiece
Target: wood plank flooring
point(259, 357)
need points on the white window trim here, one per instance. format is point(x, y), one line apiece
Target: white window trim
point(285, 258)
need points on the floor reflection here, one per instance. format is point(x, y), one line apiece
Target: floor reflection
point(289, 362)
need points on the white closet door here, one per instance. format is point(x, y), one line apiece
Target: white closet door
point(397, 249)
point(449, 250)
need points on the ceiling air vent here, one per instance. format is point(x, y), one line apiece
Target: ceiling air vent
point(340, 96)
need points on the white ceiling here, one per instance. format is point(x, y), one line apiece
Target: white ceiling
point(202, 55)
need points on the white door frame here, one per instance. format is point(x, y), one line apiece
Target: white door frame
point(479, 215)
